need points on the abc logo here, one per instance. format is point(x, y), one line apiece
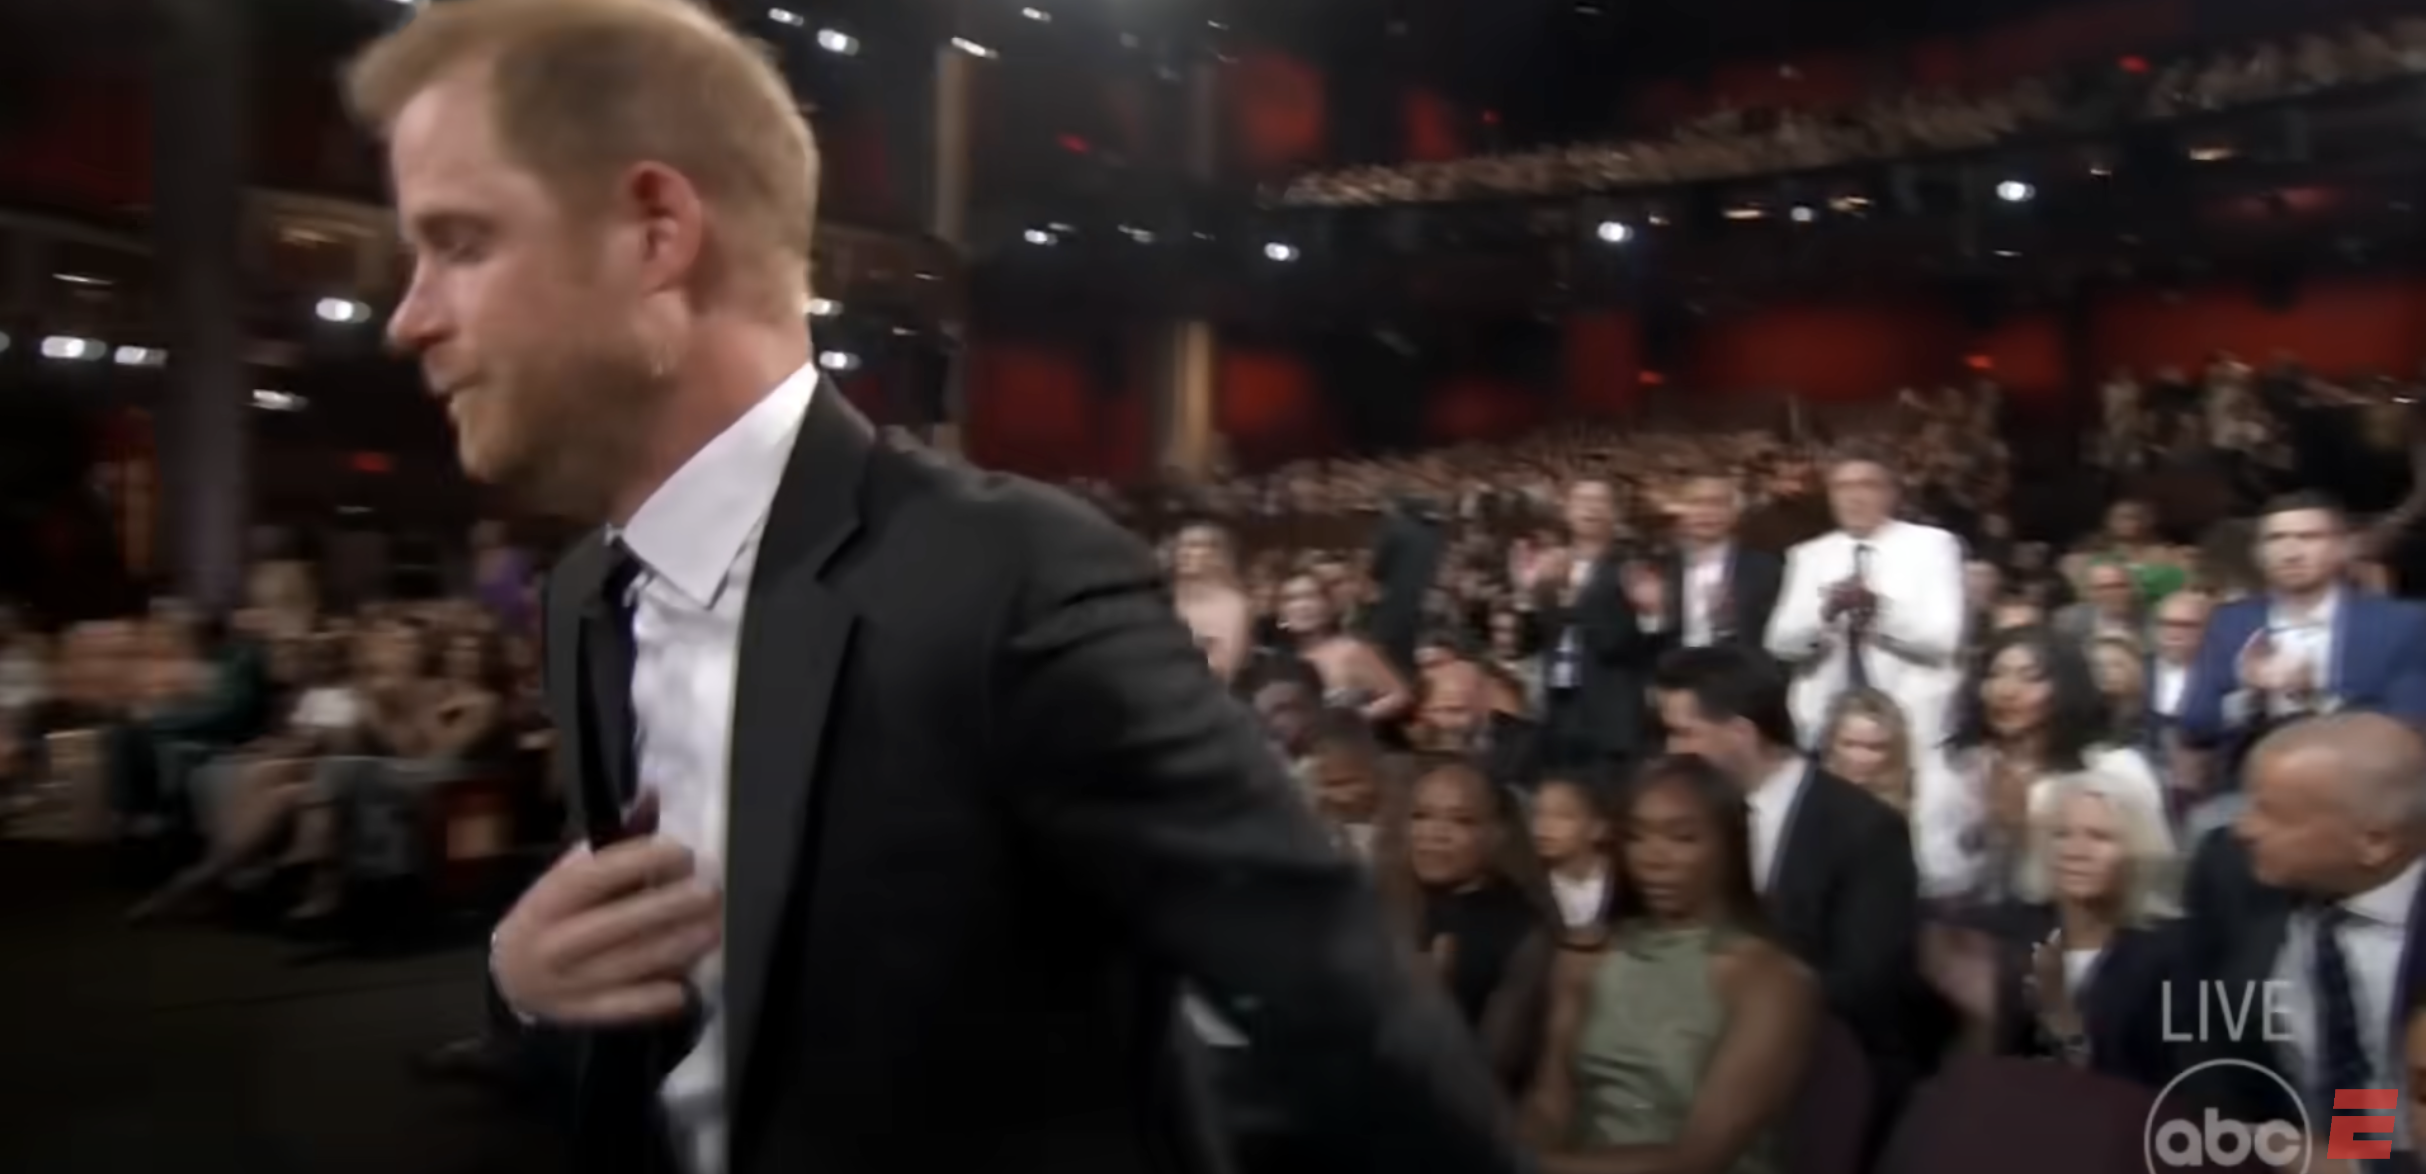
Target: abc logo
point(2175, 1140)
point(2179, 1144)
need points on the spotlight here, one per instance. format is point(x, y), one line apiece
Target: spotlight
point(972, 48)
point(2014, 191)
point(277, 401)
point(1038, 15)
point(1801, 214)
point(824, 307)
point(1277, 251)
point(840, 43)
point(342, 311)
point(1613, 232)
point(838, 361)
point(1037, 236)
point(139, 356)
point(785, 16)
point(70, 349)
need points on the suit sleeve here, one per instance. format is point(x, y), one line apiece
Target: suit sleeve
point(1796, 632)
point(1874, 937)
point(2205, 719)
point(1141, 779)
point(2405, 696)
point(1924, 621)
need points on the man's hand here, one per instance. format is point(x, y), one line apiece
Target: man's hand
point(606, 938)
point(1646, 591)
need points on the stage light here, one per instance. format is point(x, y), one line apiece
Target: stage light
point(841, 43)
point(1802, 214)
point(2014, 191)
point(1037, 236)
point(1038, 15)
point(972, 48)
point(1613, 232)
point(67, 348)
point(786, 16)
point(139, 356)
point(1277, 251)
point(824, 307)
point(277, 401)
point(342, 311)
point(838, 361)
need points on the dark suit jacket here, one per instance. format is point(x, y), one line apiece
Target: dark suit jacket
point(1613, 658)
point(1845, 897)
point(2120, 1004)
point(1754, 578)
point(1511, 754)
point(988, 808)
point(2233, 928)
point(2379, 664)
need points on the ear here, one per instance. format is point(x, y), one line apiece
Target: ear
point(671, 219)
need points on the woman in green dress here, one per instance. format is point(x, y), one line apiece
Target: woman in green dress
point(1677, 1047)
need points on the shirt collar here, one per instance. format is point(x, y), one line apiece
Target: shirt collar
point(2320, 616)
point(1779, 785)
point(690, 532)
point(2389, 903)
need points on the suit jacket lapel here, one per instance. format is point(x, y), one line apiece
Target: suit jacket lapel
point(795, 634)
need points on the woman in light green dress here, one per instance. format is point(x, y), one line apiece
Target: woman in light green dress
point(1680, 1045)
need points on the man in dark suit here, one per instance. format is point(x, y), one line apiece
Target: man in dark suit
point(909, 801)
point(1834, 863)
point(1595, 655)
point(2313, 899)
point(1712, 589)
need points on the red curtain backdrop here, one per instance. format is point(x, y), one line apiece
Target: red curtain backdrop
point(1037, 409)
point(1275, 116)
point(92, 143)
point(1434, 128)
point(2336, 327)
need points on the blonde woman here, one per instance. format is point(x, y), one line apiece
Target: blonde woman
point(2072, 967)
point(1868, 743)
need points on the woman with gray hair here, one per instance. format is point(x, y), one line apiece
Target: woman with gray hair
point(2073, 966)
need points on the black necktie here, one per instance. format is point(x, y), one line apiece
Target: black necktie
point(1857, 670)
point(609, 653)
point(2341, 1060)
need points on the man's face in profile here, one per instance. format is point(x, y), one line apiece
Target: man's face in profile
point(523, 315)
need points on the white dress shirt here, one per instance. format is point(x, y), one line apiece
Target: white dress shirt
point(1772, 805)
point(2372, 938)
point(1704, 580)
point(697, 542)
point(1910, 651)
point(1581, 900)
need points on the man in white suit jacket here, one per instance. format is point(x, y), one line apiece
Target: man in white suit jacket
point(1879, 602)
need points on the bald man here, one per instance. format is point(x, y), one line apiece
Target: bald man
point(1458, 719)
point(2312, 902)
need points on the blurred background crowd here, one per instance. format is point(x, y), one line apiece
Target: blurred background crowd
point(1828, 555)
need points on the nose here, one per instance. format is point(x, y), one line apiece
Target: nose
point(416, 325)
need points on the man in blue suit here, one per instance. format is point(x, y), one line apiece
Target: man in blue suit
point(2312, 643)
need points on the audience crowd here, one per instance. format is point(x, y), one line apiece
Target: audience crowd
point(1740, 144)
point(1745, 791)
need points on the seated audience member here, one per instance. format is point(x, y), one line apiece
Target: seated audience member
point(2317, 896)
point(1346, 771)
point(1204, 588)
point(1833, 864)
point(1678, 1045)
point(248, 802)
point(1286, 694)
point(2030, 712)
point(1571, 833)
point(1515, 662)
point(2309, 644)
point(419, 733)
point(2120, 669)
point(1455, 720)
point(2074, 967)
point(1480, 896)
point(2111, 605)
point(1355, 675)
point(1867, 743)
